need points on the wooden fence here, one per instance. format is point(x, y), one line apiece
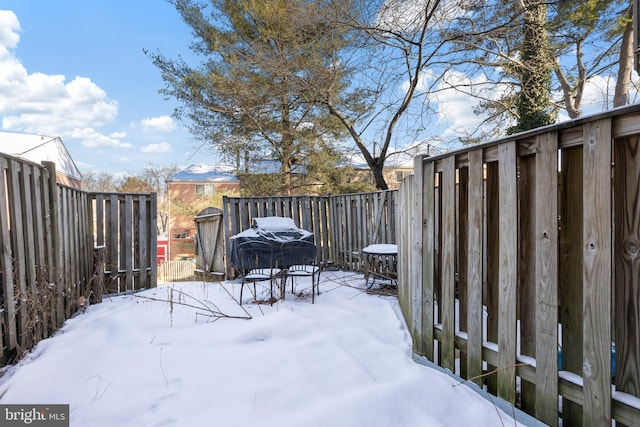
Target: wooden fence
point(523, 257)
point(48, 258)
point(342, 225)
point(209, 244)
point(125, 224)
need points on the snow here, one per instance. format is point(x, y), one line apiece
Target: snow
point(187, 354)
point(381, 249)
point(274, 228)
point(275, 223)
point(627, 399)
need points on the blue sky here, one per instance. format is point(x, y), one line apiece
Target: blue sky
point(76, 69)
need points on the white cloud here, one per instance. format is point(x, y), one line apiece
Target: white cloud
point(45, 103)
point(92, 139)
point(163, 147)
point(161, 123)
point(9, 26)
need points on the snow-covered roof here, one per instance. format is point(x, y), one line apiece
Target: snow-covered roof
point(273, 166)
point(205, 173)
point(39, 148)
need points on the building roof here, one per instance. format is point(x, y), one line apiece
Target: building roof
point(205, 173)
point(39, 148)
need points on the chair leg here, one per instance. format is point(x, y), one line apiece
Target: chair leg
point(241, 286)
point(283, 286)
point(271, 291)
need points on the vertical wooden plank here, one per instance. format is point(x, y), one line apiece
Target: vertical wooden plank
point(6, 262)
point(85, 237)
point(391, 216)
point(508, 272)
point(349, 242)
point(428, 256)
point(596, 366)
point(56, 241)
point(30, 221)
point(570, 273)
point(527, 306)
point(627, 264)
point(307, 213)
point(38, 204)
point(462, 253)
point(228, 221)
point(63, 219)
point(152, 212)
point(99, 214)
point(112, 285)
point(474, 266)
point(546, 242)
point(448, 260)
point(128, 229)
point(437, 267)
point(415, 277)
point(317, 228)
point(326, 227)
point(17, 238)
point(143, 241)
point(334, 225)
point(492, 260)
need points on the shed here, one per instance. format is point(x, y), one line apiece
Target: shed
point(39, 148)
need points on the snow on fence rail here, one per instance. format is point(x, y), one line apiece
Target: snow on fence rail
point(49, 262)
point(522, 256)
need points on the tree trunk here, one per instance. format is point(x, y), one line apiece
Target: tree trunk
point(533, 99)
point(378, 176)
point(625, 64)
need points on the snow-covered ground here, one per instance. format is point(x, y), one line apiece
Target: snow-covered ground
point(186, 354)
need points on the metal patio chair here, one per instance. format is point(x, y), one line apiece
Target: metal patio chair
point(300, 258)
point(256, 265)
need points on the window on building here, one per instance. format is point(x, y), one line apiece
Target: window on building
point(401, 174)
point(204, 190)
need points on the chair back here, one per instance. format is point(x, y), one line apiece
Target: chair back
point(255, 255)
point(298, 252)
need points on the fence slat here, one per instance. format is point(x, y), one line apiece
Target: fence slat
point(627, 265)
point(546, 267)
point(448, 260)
point(596, 371)
point(508, 271)
point(6, 263)
point(474, 267)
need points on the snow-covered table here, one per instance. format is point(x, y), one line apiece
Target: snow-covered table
point(381, 263)
point(274, 231)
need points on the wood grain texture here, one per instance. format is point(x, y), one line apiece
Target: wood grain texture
point(627, 264)
point(508, 271)
point(597, 270)
point(546, 285)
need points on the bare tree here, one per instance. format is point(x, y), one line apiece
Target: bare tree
point(393, 44)
point(98, 181)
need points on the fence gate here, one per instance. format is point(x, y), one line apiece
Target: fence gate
point(209, 244)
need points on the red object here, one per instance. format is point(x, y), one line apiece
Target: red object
point(163, 250)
